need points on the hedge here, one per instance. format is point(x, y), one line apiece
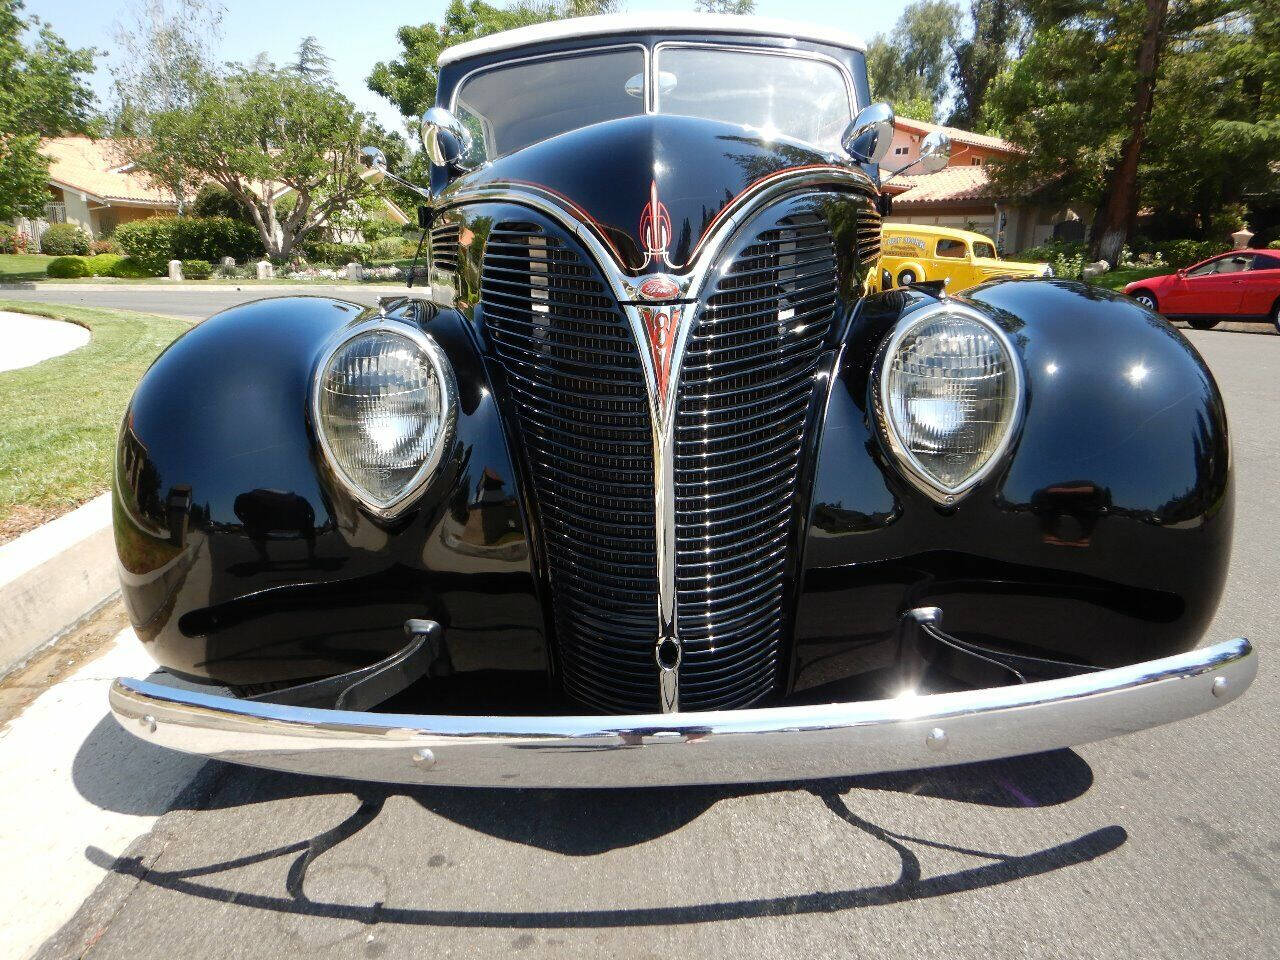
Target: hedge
point(67, 268)
point(1183, 253)
point(102, 264)
point(158, 240)
point(196, 269)
point(64, 240)
point(131, 268)
point(336, 254)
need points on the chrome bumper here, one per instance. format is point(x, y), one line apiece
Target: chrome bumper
point(731, 746)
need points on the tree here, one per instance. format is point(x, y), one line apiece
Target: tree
point(409, 82)
point(910, 67)
point(42, 94)
point(173, 47)
point(977, 59)
point(311, 62)
point(1080, 98)
point(726, 6)
point(260, 135)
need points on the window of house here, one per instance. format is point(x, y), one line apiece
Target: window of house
point(976, 162)
point(899, 151)
point(952, 248)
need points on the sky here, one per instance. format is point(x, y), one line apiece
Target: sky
point(356, 36)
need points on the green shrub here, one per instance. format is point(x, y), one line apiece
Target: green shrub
point(67, 268)
point(101, 264)
point(160, 239)
point(1274, 245)
point(390, 248)
point(131, 268)
point(105, 245)
point(1183, 253)
point(8, 238)
point(214, 201)
point(197, 269)
point(1051, 251)
point(335, 254)
point(64, 240)
point(150, 242)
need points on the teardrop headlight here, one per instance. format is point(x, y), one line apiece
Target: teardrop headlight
point(385, 406)
point(949, 393)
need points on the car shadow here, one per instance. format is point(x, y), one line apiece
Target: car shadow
point(554, 821)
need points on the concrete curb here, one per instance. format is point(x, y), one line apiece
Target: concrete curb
point(388, 289)
point(54, 576)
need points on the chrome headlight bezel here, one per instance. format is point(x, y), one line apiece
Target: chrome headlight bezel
point(391, 507)
point(910, 466)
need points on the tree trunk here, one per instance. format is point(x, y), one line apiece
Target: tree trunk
point(1117, 218)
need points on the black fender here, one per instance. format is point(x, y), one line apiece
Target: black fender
point(244, 561)
point(1101, 539)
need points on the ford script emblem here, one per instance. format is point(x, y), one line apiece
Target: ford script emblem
point(659, 287)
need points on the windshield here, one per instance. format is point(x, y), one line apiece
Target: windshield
point(774, 94)
point(512, 106)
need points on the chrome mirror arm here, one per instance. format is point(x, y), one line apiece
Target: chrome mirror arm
point(423, 192)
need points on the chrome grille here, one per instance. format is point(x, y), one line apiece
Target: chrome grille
point(578, 393)
point(746, 384)
point(444, 247)
point(868, 236)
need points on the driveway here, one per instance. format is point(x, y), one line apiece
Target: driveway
point(1160, 844)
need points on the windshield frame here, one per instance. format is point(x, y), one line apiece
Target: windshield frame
point(651, 53)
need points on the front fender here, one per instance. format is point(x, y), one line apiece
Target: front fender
point(1103, 537)
point(243, 560)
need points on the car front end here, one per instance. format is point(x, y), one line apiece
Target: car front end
point(648, 489)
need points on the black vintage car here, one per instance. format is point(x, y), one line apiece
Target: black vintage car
point(653, 487)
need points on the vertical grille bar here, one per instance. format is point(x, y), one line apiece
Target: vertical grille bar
point(574, 375)
point(746, 385)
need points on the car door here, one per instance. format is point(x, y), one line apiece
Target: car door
point(1261, 285)
point(1213, 288)
point(953, 260)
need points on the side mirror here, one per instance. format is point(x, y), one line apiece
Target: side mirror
point(1182, 272)
point(375, 165)
point(867, 139)
point(445, 139)
point(935, 152)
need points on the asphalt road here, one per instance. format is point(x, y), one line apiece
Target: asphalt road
point(1161, 844)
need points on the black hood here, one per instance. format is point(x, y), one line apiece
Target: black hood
point(613, 171)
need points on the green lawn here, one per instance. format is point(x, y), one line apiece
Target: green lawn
point(57, 434)
point(21, 267)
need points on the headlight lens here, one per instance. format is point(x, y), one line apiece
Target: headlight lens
point(385, 407)
point(949, 391)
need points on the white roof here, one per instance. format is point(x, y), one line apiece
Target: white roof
point(650, 23)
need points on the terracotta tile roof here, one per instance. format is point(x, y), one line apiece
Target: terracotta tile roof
point(93, 167)
point(956, 134)
point(949, 185)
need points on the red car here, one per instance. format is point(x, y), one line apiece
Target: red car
point(1240, 285)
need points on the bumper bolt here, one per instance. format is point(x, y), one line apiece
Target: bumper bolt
point(424, 758)
point(148, 723)
point(937, 739)
point(1219, 686)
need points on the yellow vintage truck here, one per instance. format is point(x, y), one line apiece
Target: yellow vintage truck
point(912, 252)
